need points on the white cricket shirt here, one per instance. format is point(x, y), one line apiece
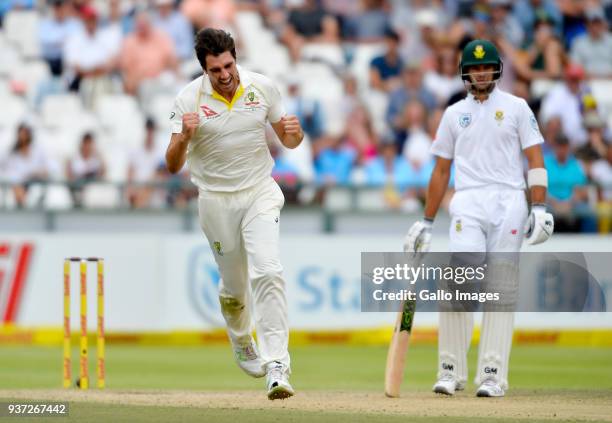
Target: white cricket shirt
point(485, 140)
point(229, 151)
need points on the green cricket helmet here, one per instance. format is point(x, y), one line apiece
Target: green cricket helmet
point(480, 52)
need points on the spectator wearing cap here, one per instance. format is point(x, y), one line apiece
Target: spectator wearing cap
point(147, 53)
point(594, 48)
point(142, 168)
point(504, 23)
point(25, 165)
point(544, 57)
point(443, 81)
point(528, 12)
point(169, 20)
point(385, 70)
point(564, 101)
point(53, 33)
point(567, 183)
point(598, 133)
point(90, 54)
point(412, 89)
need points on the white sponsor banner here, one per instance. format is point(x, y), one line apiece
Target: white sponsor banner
point(158, 282)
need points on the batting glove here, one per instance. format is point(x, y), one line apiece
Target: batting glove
point(540, 225)
point(418, 238)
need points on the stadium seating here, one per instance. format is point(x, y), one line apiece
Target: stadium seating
point(116, 159)
point(29, 76)
point(61, 110)
point(11, 59)
point(7, 198)
point(59, 120)
point(57, 197)
point(101, 196)
point(121, 119)
point(34, 196)
point(21, 27)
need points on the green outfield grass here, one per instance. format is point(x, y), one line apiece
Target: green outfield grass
point(578, 372)
point(314, 367)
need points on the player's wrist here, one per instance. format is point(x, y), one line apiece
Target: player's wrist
point(538, 207)
point(185, 138)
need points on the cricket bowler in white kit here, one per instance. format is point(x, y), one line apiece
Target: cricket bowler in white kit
point(484, 135)
point(218, 124)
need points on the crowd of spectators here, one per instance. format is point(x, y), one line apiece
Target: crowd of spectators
point(377, 132)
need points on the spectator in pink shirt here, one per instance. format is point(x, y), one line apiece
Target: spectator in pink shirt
point(146, 54)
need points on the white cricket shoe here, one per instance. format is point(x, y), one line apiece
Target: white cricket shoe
point(247, 357)
point(277, 381)
point(447, 385)
point(490, 388)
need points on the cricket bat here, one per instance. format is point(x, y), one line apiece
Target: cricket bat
point(396, 356)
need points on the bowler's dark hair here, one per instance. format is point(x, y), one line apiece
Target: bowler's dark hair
point(215, 42)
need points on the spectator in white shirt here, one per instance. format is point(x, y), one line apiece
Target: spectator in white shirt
point(87, 166)
point(564, 102)
point(25, 165)
point(142, 169)
point(91, 53)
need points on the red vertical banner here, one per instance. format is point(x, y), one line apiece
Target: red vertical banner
point(21, 272)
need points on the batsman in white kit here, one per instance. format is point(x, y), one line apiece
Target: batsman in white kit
point(484, 135)
point(218, 124)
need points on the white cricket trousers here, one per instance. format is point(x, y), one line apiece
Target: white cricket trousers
point(242, 229)
point(482, 220)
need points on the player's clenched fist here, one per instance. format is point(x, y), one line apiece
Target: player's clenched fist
point(191, 121)
point(291, 125)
